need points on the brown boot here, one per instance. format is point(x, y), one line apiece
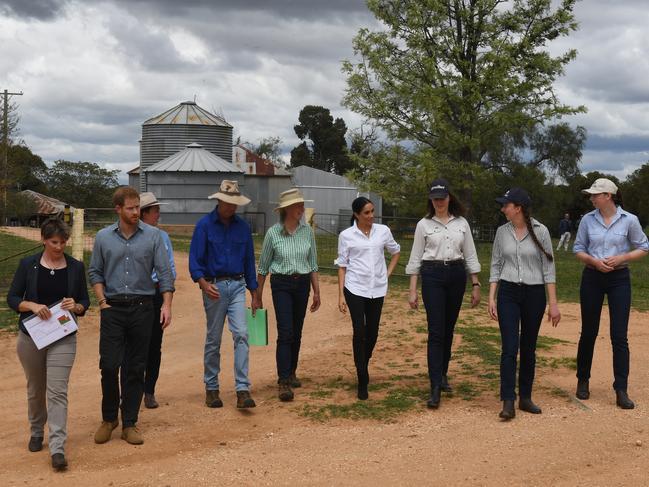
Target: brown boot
point(294, 382)
point(105, 431)
point(132, 435)
point(212, 399)
point(244, 400)
point(285, 392)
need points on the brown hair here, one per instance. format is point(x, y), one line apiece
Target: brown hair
point(53, 227)
point(528, 222)
point(123, 193)
point(617, 198)
point(455, 206)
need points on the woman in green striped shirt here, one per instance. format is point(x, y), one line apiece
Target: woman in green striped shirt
point(289, 255)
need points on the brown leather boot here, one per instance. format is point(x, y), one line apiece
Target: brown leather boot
point(244, 400)
point(285, 392)
point(105, 431)
point(212, 399)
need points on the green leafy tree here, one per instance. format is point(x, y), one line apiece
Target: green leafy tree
point(269, 148)
point(324, 146)
point(463, 77)
point(82, 184)
point(634, 193)
point(20, 207)
point(26, 169)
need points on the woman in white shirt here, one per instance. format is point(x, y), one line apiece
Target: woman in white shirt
point(363, 281)
point(442, 252)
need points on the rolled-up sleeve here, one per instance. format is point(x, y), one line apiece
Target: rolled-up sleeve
point(266, 257)
point(343, 251)
point(96, 267)
point(496, 257)
point(549, 270)
point(162, 265)
point(417, 252)
point(471, 261)
point(636, 235)
point(391, 244)
point(581, 240)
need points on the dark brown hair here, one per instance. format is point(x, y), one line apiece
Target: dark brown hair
point(617, 198)
point(123, 193)
point(527, 216)
point(455, 206)
point(53, 227)
point(357, 206)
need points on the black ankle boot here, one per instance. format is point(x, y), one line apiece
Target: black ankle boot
point(362, 391)
point(526, 404)
point(508, 411)
point(446, 387)
point(435, 395)
point(582, 389)
point(623, 401)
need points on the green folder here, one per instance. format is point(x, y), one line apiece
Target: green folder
point(257, 327)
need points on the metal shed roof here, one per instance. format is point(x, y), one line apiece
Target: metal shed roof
point(187, 113)
point(46, 204)
point(193, 159)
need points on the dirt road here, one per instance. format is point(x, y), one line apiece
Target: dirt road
point(463, 442)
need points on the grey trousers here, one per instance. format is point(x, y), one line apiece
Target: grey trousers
point(47, 372)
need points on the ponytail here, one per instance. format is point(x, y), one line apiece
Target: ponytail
point(357, 206)
point(530, 230)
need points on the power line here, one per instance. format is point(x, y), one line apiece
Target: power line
point(5, 148)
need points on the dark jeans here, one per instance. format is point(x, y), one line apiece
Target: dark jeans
point(442, 290)
point(519, 304)
point(124, 334)
point(616, 285)
point(365, 314)
point(154, 355)
point(290, 298)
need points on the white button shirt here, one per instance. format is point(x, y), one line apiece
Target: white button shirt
point(364, 259)
point(435, 240)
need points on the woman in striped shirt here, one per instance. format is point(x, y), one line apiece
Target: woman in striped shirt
point(289, 255)
point(363, 281)
point(521, 265)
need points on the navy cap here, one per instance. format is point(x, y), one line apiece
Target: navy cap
point(438, 188)
point(518, 196)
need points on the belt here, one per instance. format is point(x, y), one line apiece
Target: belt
point(225, 277)
point(128, 300)
point(291, 276)
point(442, 263)
point(619, 268)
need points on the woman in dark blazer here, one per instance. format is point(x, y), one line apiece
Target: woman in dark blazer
point(42, 280)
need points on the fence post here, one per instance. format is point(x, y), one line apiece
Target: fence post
point(77, 234)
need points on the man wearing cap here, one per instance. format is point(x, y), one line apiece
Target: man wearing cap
point(150, 214)
point(123, 258)
point(222, 262)
point(608, 239)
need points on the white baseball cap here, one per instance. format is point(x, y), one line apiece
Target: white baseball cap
point(601, 185)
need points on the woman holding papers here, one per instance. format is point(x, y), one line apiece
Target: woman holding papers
point(42, 280)
point(289, 255)
point(363, 281)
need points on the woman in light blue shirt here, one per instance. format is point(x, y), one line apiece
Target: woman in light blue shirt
point(604, 244)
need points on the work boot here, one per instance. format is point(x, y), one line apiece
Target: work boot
point(435, 395)
point(150, 402)
point(132, 435)
point(293, 381)
point(285, 392)
point(244, 400)
point(35, 443)
point(105, 431)
point(59, 463)
point(582, 389)
point(446, 387)
point(508, 411)
point(212, 399)
point(362, 393)
point(526, 404)
point(623, 401)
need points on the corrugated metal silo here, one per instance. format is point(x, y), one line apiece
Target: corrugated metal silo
point(171, 131)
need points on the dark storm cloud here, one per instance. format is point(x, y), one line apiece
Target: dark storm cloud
point(33, 9)
point(622, 143)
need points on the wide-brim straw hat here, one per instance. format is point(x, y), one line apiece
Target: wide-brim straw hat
point(290, 197)
point(148, 199)
point(229, 193)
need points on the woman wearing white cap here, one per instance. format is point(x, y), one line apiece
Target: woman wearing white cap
point(289, 255)
point(604, 241)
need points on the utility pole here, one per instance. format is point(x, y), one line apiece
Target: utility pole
point(5, 150)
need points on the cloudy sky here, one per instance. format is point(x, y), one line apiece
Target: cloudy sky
point(93, 71)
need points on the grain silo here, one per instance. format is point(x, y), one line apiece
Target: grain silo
point(184, 124)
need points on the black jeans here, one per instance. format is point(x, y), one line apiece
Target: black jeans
point(154, 355)
point(124, 334)
point(519, 304)
point(365, 314)
point(290, 298)
point(442, 290)
point(616, 285)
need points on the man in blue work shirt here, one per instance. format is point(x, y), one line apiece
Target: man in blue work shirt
point(222, 262)
point(123, 258)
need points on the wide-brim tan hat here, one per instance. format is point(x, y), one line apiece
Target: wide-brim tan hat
point(601, 185)
point(229, 193)
point(290, 197)
point(148, 199)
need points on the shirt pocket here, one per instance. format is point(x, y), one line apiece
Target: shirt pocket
point(619, 238)
point(596, 236)
point(434, 237)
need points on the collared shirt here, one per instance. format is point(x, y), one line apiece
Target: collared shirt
point(364, 259)
point(217, 249)
point(565, 226)
point(435, 240)
point(288, 253)
point(170, 253)
point(521, 261)
point(600, 241)
point(125, 266)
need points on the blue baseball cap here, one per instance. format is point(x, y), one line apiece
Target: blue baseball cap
point(518, 196)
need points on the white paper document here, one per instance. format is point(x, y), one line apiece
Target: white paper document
point(44, 332)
